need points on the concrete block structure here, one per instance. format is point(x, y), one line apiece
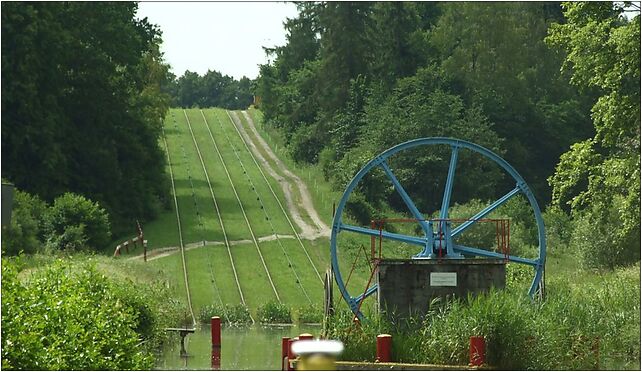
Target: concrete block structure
point(408, 286)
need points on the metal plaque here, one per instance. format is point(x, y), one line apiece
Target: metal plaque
point(443, 279)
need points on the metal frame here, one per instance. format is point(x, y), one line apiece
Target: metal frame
point(453, 251)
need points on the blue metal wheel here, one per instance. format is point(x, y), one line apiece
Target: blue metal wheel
point(430, 238)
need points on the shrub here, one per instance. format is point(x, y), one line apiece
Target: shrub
point(233, 315)
point(559, 228)
point(65, 319)
point(25, 233)
point(309, 314)
point(274, 312)
point(74, 223)
point(558, 333)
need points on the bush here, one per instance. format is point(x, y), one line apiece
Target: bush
point(75, 223)
point(72, 319)
point(309, 314)
point(559, 228)
point(274, 312)
point(600, 243)
point(233, 315)
point(560, 333)
point(25, 233)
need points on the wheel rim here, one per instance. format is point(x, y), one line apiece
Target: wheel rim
point(452, 249)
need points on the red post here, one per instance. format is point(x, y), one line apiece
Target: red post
point(284, 352)
point(305, 336)
point(216, 331)
point(291, 354)
point(216, 358)
point(477, 350)
point(384, 348)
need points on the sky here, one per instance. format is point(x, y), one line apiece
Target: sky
point(224, 36)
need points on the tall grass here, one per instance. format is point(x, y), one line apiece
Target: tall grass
point(596, 325)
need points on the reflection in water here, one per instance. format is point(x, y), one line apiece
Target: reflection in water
point(248, 348)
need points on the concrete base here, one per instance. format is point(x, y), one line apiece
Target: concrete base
point(408, 286)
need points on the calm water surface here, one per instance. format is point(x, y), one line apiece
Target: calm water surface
point(250, 348)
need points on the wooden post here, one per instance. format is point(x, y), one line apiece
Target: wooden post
point(477, 350)
point(384, 348)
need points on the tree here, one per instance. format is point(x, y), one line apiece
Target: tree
point(598, 180)
point(499, 61)
point(82, 106)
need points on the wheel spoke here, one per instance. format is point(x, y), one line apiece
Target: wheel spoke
point(406, 199)
point(489, 254)
point(384, 234)
point(445, 203)
point(464, 226)
point(366, 294)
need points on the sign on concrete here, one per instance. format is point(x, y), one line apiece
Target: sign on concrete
point(443, 279)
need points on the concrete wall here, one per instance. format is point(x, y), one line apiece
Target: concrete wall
point(408, 286)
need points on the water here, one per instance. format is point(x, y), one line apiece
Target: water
point(249, 348)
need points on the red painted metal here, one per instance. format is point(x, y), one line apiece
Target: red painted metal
point(216, 331)
point(305, 336)
point(216, 358)
point(384, 348)
point(291, 354)
point(284, 352)
point(477, 350)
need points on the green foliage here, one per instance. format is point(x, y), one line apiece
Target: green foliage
point(74, 223)
point(559, 228)
point(234, 315)
point(274, 312)
point(26, 230)
point(210, 90)
point(82, 106)
point(309, 314)
point(598, 179)
point(65, 318)
point(559, 333)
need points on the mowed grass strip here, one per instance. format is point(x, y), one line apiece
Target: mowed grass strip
point(235, 224)
point(269, 200)
point(296, 194)
point(282, 275)
point(299, 263)
point(253, 279)
point(211, 229)
point(202, 287)
point(281, 212)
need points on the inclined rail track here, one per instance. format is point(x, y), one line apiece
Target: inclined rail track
point(218, 214)
point(180, 230)
point(254, 240)
point(267, 217)
point(296, 234)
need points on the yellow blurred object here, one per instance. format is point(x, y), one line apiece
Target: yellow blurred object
point(316, 362)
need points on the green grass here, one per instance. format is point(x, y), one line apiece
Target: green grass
point(210, 273)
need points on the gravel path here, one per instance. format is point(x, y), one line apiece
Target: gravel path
point(306, 200)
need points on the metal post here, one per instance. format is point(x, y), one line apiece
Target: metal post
point(284, 352)
point(384, 348)
point(216, 331)
point(477, 350)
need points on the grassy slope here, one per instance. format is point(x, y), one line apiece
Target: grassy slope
point(210, 272)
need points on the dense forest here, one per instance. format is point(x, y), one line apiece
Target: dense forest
point(82, 106)
point(210, 90)
point(534, 82)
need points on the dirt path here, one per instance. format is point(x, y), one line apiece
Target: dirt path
point(168, 251)
point(306, 200)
